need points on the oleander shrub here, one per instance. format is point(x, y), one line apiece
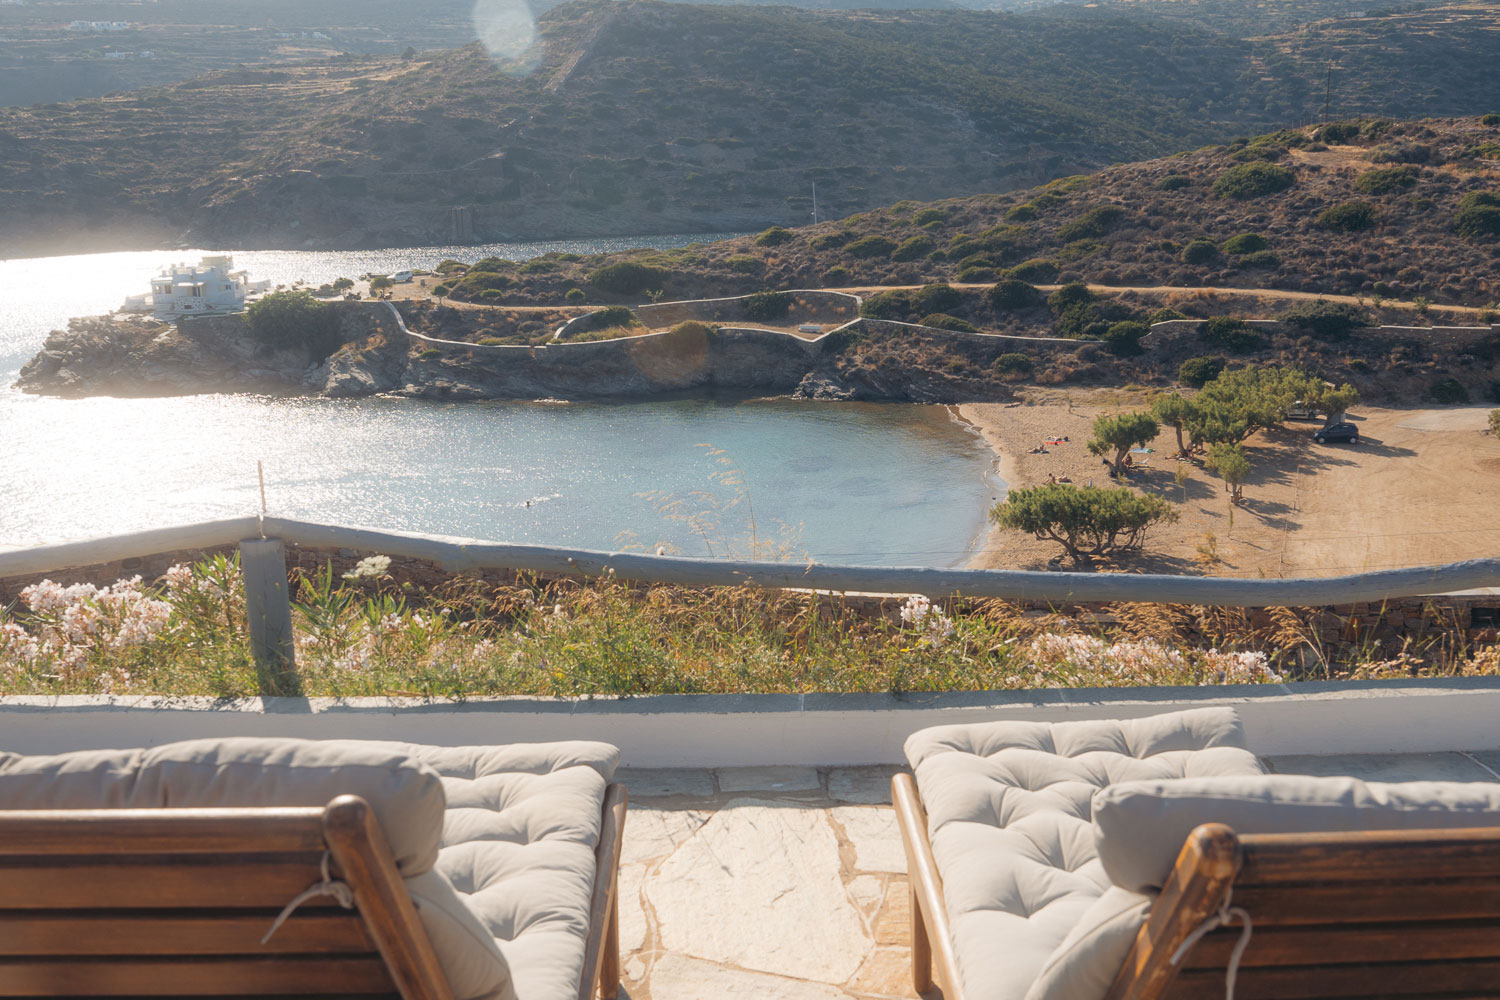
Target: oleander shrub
point(763, 307)
point(1198, 372)
point(629, 277)
point(1124, 338)
point(773, 237)
point(1230, 334)
point(829, 241)
point(1386, 180)
point(1244, 243)
point(936, 298)
point(871, 246)
point(913, 248)
point(1097, 221)
point(1010, 293)
point(1448, 391)
point(1349, 217)
point(1013, 364)
point(1200, 251)
point(1253, 180)
point(1327, 320)
point(943, 321)
point(1036, 271)
point(1478, 215)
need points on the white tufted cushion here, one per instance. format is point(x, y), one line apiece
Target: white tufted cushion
point(518, 847)
point(1009, 817)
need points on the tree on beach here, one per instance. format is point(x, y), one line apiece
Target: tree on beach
point(1117, 435)
point(1173, 410)
point(1233, 466)
point(1085, 520)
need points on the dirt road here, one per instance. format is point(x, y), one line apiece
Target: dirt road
point(1421, 487)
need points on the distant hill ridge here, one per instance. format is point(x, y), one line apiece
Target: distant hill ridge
point(642, 116)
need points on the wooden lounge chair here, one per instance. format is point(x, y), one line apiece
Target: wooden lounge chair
point(1408, 913)
point(175, 902)
point(270, 900)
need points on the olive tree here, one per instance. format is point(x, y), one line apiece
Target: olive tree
point(1085, 520)
point(1117, 435)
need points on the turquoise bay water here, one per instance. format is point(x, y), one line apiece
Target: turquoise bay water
point(854, 483)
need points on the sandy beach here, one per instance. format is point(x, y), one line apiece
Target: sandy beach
point(1421, 487)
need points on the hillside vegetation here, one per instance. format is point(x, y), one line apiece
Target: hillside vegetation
point(1384, 209)
point(651, 117)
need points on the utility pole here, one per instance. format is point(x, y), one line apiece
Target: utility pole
point(1328, 92)
point(815, 202)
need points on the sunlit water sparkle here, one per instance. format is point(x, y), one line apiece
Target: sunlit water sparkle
point(874, 484)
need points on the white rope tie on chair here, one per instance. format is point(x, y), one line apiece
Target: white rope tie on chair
point(330, 886)
point(1223, 918)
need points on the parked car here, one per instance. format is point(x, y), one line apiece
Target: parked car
point(401, 276)
point(1302, 411)
point(1337, 432)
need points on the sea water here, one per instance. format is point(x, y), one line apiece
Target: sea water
point(871, 484)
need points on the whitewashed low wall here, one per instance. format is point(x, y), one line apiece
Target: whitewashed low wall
point(744, 730)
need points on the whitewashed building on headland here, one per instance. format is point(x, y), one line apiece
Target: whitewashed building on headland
point(210, 286)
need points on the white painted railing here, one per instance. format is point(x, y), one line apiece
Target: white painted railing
point(262, 560)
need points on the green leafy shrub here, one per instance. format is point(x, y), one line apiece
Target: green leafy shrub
point(448, 265)
point(763, 307)
point(1401, 152)
point(442, 289)
point(894, 304)
point(1478, 215)
point(1200, 251)
point(1244, 243)
point(1349, 217)
point(1253, 180)
point(610, 316)
point(1490, 119)
point(491, 295)
point(743, 263)
point(829, 241)
point(1328, 320)
point(429, 354)
point(1261, 258)
point(912, 248)
point(1010, 293)
point(936, 298)
point(975, 275)
point(1173, 182)
point(943, 321)
point(836, 275)
point(1124, 338)
point(295, 319)
point(1163, 314)
point(1448, 391)
point(1023, 212)
point(773, 237)
point(871, 246)
point(1037, 271)
point(1230, 334)
point(1338, 133)
point(1386, 180)
point(628, 277)
point(1013, 364)
point(574, 296)
point(1198, 372)
point(475, 283)
point(928, 216)
point(1070, 296)
point(1097, 221)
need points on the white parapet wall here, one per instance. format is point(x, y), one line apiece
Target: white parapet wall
point(742, 730)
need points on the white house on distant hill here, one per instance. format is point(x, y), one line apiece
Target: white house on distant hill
point(212, 286)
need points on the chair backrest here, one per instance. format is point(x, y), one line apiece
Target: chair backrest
point(174, 902)
point(1381, 913)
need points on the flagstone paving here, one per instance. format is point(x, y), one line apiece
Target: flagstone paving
point(787, 883)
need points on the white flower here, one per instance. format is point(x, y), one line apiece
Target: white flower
point(369, 568)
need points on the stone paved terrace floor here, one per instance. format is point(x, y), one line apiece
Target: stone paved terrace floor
point(789, 883)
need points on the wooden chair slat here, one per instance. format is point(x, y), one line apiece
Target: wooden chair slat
point(1375, 856)
point(141, 933)
point(187, 976)
point(214, 881)
point(161, 831)
point(1336, 982)
point(601, 957)
point(1370, 902)
point(1409, 942)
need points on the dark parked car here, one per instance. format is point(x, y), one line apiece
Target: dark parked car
point(1337, 432)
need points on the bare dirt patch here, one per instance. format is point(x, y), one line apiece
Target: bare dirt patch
point(1420, 488)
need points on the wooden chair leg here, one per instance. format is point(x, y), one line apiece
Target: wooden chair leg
point(609, 965)
point(921, 947)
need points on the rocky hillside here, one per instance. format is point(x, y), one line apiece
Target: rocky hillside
point(1395, 210)
point(641, 116)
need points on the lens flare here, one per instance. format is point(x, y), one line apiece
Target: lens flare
point(508, 32)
